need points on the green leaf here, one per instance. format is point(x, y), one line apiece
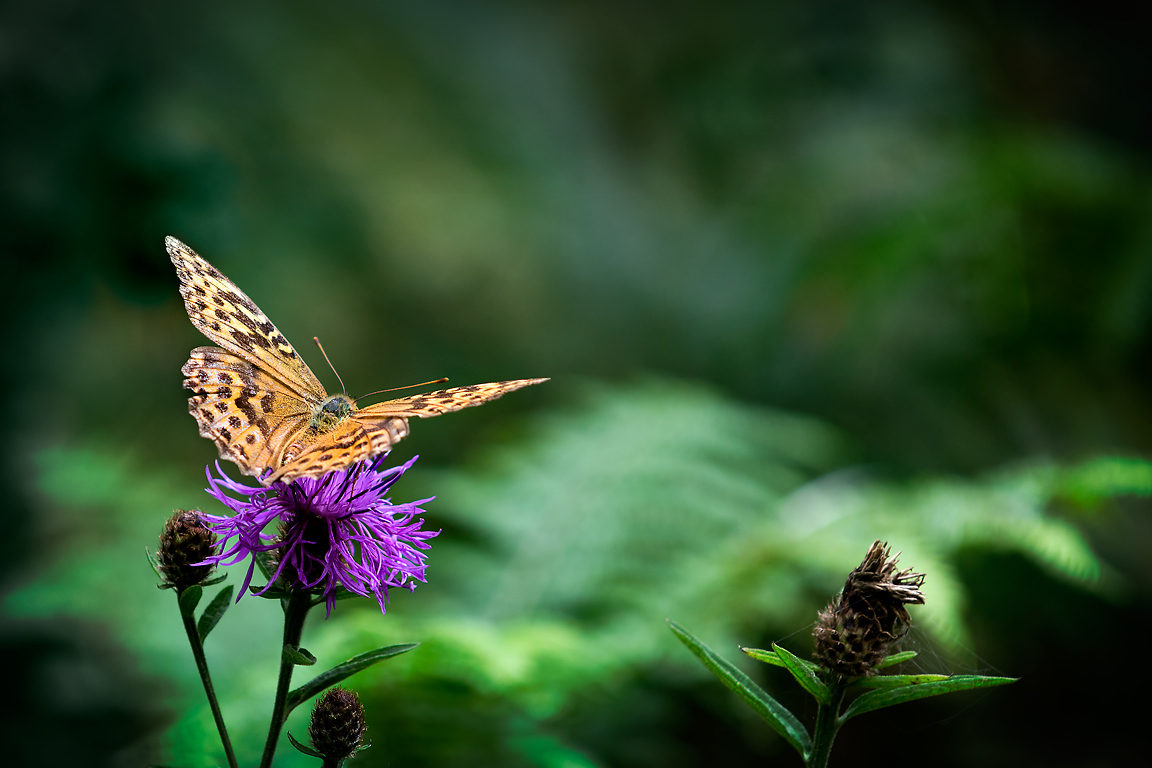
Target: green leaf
point(152, 562)
point(773, 712)
point(886, 697)
point(341, 594)
point(896, 658)
point(214, 612)
point(272, 593)
point(768, 657)
point(264, 563)
point(298, 656)
point(805, 676)
point(189, 599)
point(341, 671)
point(303, 747)
point(1105, 478)
point(895, 681)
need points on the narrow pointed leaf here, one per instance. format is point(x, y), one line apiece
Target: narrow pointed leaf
point(189, 599)
point(773, 712)
point(341, 671)
point(298, 656)
point(152, 562)
point(214, 612)
point(896, 658)
point(768, 657)
point(895, 681)
point(303, 747)
point(264, 563)
point(886, 697)
point(272, 593)
point(341, 594)
point(805, 676)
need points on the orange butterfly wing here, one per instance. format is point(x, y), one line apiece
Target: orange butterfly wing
point(258, 401)
point(373, 430)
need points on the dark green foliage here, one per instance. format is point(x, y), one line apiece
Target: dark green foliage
point(190, 598)
point(913, 687)
point(893, 689)
point(343, 671)
point(804, 674)
point(303, 747)
point(299, 656)
point(923, 232)
point(774, 713)
point(214, 612)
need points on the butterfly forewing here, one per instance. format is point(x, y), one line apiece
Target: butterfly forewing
point(226, 315)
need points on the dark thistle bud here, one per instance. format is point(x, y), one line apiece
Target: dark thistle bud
point(338, 726)
point(184, 541)
point(861, 628)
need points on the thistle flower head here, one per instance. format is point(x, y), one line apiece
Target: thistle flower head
point(860, 629)
point(337, 727)
point(336, 531)
point(185, 543)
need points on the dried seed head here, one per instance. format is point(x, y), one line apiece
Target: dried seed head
point(338, 726)
point(185, 540)
point(861, 628)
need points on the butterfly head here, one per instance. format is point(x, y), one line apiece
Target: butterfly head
point(331, 412)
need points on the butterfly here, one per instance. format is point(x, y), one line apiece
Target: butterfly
point(265, 410)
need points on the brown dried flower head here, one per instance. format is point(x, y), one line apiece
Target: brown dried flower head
point(184, 541)
point(861, 628)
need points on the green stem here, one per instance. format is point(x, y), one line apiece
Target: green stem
point(202, 666)
point(828, 722)
point(296, 607)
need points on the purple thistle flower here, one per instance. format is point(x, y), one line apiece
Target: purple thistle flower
point(335, 530)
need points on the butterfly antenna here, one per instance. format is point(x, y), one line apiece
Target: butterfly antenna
point(410, 386)
point(343, 388)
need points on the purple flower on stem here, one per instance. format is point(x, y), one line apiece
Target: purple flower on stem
point(335, 530)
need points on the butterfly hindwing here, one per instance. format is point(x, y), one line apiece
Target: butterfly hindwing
point(315, 454)
point(249, 414)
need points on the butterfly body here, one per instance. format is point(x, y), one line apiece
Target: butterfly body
point(265, 410)
point(331, 412)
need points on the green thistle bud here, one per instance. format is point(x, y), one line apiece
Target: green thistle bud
point(184, 541)
point(862, 627)
point(338, 726)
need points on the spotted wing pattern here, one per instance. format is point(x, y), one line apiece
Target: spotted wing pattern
point(443, 401)
point(373, 430)
point(259, 402)
point(248, 414)
point(345, 445)
point(226, 315)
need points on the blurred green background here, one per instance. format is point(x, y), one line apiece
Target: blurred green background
point(804, 275)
